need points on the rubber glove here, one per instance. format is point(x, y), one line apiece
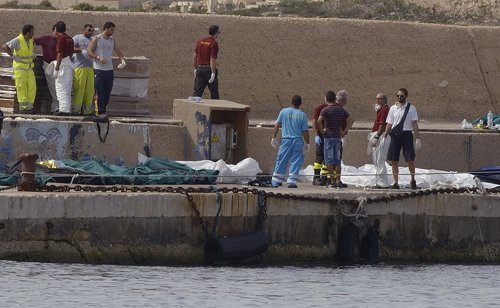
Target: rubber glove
point(122, 65)
point(16, 58)
point(317, 140)
point(194, 73)
point(307, 148)
point(374, 140)
point(418, 144)
point(212, 78)
point(275, 143)
point(382, 140)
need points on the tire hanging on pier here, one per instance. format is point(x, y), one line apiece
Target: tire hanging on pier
point(357, 240)
point(234, 248)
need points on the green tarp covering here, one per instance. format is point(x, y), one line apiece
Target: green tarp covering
point(496, 120)
point(154, 171)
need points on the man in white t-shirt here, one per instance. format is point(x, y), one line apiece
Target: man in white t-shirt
point(405, 142)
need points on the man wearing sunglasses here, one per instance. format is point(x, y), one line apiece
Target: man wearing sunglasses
point(83, 80)
point(405, 142)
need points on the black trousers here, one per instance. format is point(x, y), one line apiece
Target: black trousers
point(103, 85)
point(320, 152)
point(202, 77)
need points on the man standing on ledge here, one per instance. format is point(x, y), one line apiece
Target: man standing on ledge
point(295, 131)
point(405, 142)
point(205, 64)
point(48, 44)
point(101, 49)
point(378, 143)
point(330, 123)
point(21, 50)
point(83, 81)
point(63, 69)
point(319, 168)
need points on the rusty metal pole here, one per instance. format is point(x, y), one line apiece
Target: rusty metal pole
point(28, 164)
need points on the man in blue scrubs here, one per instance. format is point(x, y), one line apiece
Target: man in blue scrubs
point(295, 141)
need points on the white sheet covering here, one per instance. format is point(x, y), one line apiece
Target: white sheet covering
point(242, 172)
point(364, 176)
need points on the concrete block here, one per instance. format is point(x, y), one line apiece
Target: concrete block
point(4, 207)
point(81, 207)
point(35, 206)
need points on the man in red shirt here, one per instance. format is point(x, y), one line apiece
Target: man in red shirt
point(48, 44)
point(378, 143)
point(320, 169)
point(205, 64)
point(63, 69)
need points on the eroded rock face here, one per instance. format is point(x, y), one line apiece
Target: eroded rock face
point(451, 72)
point(149, 6)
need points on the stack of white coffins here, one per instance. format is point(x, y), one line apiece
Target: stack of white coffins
point(8, 97)
point(129, 96)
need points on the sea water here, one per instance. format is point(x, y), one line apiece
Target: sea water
point(382, 285)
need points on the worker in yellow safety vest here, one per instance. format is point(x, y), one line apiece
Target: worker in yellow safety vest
point(21, 50)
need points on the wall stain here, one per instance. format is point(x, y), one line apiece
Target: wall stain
point(75, 132)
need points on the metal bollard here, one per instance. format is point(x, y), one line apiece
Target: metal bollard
point(28, 164)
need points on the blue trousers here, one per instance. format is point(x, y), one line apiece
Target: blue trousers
point(103, 83)
point(290, 151)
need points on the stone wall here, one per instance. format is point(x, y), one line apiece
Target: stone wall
point(450, 151)
point(452, 72)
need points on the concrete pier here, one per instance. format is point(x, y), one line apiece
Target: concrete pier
point(161, 228)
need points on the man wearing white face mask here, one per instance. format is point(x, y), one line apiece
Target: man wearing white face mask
point(378, 143)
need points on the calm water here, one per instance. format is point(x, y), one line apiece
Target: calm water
point(65, 285)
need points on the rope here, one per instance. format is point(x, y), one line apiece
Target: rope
point(102, 139)
point(72, 179)
point(482, 239)
point(217, 216)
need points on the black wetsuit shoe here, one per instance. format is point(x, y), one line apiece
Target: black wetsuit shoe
point(61, 114)
point(341, 185)
point(413, 185)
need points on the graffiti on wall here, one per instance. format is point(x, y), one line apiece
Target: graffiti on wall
point(33, 135)
point(202, 144)
point(79, 141)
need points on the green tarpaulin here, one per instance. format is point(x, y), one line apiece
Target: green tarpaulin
point(154, 171)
